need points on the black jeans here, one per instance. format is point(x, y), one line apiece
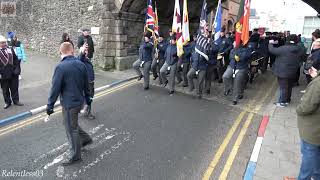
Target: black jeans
point(10, 89)
point(76, 136)
point(285, 85)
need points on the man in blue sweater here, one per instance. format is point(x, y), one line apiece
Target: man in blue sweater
point(70, 82)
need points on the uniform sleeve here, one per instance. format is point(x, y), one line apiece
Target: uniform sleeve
point(56, 87)
point(275, 51)
point(310, 100)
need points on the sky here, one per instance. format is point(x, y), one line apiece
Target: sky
point(277, 7)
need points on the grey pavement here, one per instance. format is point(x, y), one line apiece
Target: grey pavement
point(35, 85)
point(280, 151)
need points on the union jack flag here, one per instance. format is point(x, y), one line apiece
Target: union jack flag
point(150, 17)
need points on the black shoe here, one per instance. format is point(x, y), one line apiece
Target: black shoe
point(18, 104)
point(226, 93)
point(6, 106)
point(146, 88)
point(70, 162)
point(171, 92)
point(208, 92)
point(234, 103)
point(185, 85)
point(90, 116)
point(165, 84)
point(199, 96)
point(220, 81)
point(140, 77)
point(86, 143)
point(155, 77)
point(240, 97)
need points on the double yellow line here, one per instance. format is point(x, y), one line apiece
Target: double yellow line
point(239, 139)
point(41, 116)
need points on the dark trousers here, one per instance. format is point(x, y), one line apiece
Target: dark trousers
point(182, 72)
point(155, 68)
point(285, 85)
point(297, 76)
point(236, 83)
point(200, 79)
point(91, 94)
point(272, 60)
point(76, 136)
point(209, 76)
point(10, 89)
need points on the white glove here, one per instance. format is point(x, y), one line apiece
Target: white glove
point(141, 65)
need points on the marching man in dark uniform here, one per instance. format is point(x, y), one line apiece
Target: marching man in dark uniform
point(9, 74)
point(158, 62)
point(236, 73)
point(183, 65)
point(170, 65)
point(225, 46)
point(144, 61)
point(70, 82)
point(212, 65)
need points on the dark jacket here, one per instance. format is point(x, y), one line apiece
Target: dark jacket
point(187, 49)
point(225, 45)
point(145, 51)
point(193, 46)
point(309, 113)
point(82, 39)
point(89, 67)
point(244, 54)
point(171, 55)
point(70, 82)
point(315, 56)
point(198, 62)
point(162, 47)
point(288, 58)
point(7, 71)
point(213, 53)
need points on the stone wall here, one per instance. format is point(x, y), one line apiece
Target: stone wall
point(39, 24)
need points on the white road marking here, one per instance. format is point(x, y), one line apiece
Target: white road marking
point(57, 149)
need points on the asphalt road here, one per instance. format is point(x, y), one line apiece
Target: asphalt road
point(144, 135)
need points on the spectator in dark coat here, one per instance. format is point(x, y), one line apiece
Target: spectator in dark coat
point(66, 38)
point(287, 63)
point(86, 38)
point(9, 74)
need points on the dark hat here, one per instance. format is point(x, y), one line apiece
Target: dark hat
point(275, 33)
point(85, 29)
point(292, 39)
point(148, 34)
point(268, 33)
point(173, 37)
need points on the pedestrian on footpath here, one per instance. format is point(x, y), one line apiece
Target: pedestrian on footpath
point(66, 38)
point(308, 112)
point(170, 65)
point(19, 50)
point(145, 60)
point(70, 82)
point(86, 38)
point(287, 63)
point(235, 76)
point(84, 58)
point(9, 74)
